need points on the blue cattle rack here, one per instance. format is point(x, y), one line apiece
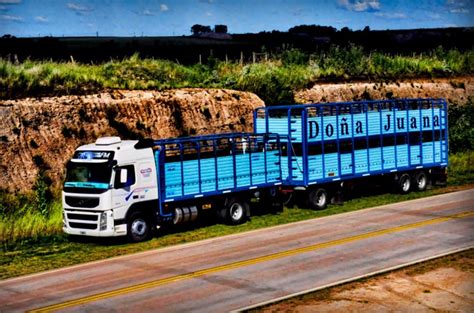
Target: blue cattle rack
point(198, 167)
point(332, 142)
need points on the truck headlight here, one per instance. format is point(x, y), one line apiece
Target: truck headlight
point(103, 221)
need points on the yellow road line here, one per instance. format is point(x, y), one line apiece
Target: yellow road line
point(328, 244)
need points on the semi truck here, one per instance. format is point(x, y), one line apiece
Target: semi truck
point(117, 187)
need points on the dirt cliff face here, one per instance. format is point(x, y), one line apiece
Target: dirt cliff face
point(455, 90)
point(43, 133)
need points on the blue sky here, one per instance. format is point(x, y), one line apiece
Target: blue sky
point(31, 18)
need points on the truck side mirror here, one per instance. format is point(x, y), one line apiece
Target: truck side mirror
point(123, 175)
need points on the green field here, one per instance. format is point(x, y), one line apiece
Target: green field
point(274, 81)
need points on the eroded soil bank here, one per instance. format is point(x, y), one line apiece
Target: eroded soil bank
point(42, 133)
point(454, 90)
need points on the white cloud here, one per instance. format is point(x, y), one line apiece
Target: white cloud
point(11, 18)
point(79, 9)
point(164, 7)
point(459, 10)
point(360, 5)
point(391, 15)
point(10, 1)
point(208, 14)
point(41, 19)
point(457, 6)
point(147, 12)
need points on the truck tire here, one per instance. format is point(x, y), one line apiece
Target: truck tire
point(404, 183)
point(235, 211)
point(138, 227)
point(318, 199)
point(420, 181)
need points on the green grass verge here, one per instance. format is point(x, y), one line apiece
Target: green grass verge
point(274, 81)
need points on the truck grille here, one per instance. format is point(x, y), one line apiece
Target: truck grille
point(82, 220)
point(83, 217)
point(82, 225)
point(82, 202)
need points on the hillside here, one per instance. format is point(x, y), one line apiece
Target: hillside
point(42, 133)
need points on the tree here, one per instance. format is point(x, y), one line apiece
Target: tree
point(197, 29)
point(220, 29)
point(314, 30)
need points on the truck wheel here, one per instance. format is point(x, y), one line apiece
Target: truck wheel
point(421, 181)
point(236, 211)
point(404, 183)
point(318, 199)
point(138, 227)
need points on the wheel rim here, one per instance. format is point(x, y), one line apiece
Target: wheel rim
point(139, 227)
point(406, 184)
point(421, 182)
point(320, 199)
point(236, 211)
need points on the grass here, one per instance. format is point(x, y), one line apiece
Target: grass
point(274, 80)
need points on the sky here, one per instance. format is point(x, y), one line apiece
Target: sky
point(37, 18)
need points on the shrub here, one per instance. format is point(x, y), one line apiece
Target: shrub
point(461, 126)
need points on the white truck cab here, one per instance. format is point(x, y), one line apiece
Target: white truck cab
point(110, 185)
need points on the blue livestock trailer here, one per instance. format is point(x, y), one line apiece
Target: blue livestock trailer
point(200, 172)
point(404, 140)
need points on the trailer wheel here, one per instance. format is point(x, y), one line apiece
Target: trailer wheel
point(318, 199)
point(235, 211)
point(404, 183)
point(138, 227)
point(421, 181)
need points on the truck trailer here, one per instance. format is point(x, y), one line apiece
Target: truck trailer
point(117, 187)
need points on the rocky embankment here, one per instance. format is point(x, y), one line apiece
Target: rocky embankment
point(454, 90)
point(42, 133)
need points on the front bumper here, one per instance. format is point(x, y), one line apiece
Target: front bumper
point(92, 223)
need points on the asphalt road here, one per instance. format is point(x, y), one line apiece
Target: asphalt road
point(232, 272)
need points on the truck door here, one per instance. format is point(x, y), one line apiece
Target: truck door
point(125, 182)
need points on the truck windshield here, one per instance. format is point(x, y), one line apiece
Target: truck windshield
point(88, 175)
